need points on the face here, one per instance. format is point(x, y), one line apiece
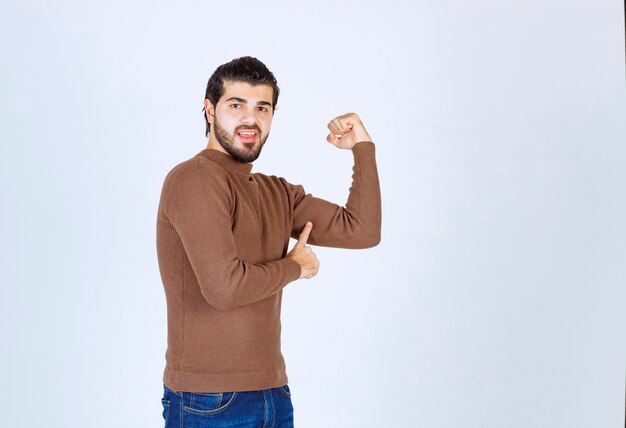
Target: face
point(241, 120)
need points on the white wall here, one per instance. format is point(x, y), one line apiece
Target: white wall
point(496, 298)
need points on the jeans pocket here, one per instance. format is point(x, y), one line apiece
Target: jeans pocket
point(166, 409)
point(209, 403)
point(285, 390)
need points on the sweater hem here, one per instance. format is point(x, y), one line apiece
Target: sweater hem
point(181, 381)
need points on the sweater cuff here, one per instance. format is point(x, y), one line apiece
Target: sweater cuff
point(364, 147)
point(292, 269)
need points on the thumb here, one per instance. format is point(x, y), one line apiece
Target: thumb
point(332, 138)
point(304, 235)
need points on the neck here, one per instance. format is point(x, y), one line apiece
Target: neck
point(214, 144)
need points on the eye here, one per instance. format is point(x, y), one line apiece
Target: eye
point(263, 108)
point(235, 105)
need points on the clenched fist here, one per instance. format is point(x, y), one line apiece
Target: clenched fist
point(347, 130)
point(303, 255)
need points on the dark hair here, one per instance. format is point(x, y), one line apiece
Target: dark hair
point(244, 69)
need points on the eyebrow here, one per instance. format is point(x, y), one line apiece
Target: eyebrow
point(241, 100)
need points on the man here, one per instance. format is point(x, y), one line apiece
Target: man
point(222, 240)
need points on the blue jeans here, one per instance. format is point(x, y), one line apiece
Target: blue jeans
point(267, 408)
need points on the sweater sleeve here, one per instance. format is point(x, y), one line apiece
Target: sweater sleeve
point(358, 224)
point(199, 203)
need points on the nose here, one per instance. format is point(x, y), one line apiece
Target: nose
point(249, 117)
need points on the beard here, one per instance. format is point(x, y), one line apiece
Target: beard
point(249, 153)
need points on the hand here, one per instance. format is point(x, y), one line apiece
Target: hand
point(347, 130)
point(303, 255)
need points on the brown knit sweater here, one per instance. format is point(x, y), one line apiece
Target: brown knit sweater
point(222, 240)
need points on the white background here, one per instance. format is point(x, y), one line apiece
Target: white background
point(496, 297)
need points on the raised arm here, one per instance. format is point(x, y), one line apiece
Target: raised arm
point(358, 224)
point(198, 205)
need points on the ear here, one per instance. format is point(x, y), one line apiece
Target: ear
point(209, 111)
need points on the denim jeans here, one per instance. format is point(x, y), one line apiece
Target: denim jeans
point(267, 408)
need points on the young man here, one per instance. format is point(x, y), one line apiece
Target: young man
point(222, 240)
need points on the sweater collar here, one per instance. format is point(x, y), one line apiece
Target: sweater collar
point(226, 161)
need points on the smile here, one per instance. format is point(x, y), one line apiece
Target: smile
point(247, 136)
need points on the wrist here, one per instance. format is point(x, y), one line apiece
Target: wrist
point(361, 141)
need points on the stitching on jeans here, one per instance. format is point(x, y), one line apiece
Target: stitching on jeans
point(210, 412)
point(265, 419)
point(284, 391)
